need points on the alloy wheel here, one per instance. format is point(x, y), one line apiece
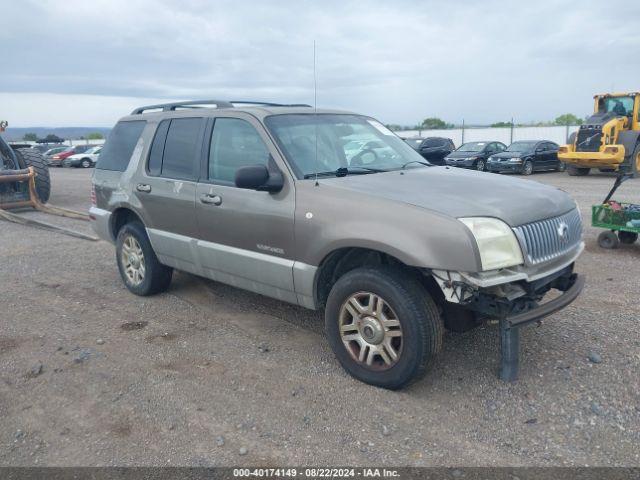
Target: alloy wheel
point(370, 331)
point(133, 260)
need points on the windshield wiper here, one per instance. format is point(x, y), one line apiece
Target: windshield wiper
point(344, 171)
point(426, 164)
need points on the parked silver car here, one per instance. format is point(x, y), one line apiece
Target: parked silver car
point(394, 250)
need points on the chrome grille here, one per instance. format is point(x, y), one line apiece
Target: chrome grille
point(543, 241)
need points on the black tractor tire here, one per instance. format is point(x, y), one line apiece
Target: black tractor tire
point(32, 158)
point(418, 316)
point(608, 240)
point(627, 238)
point(574, 171)
point(157, 277)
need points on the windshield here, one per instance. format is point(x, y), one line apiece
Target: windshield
point(521, 146)
point(472, 147)
point(617, 105)
point(94, 150)
point(328, 142)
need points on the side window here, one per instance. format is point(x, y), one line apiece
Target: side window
point(501, 147)
point(235, 143)
point(491, 148)
point(431, 143)
point(180, 148)
point(157, 148)
point(119, 146)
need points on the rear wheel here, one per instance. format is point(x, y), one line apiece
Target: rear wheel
point(561, 167)
point(383, 326)
point(140, 269)
point(608, 240)
point(527, 167)
point(32, 158)
point(627, 238)
point(577, 171)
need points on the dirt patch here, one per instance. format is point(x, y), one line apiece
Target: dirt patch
point(9, 343)
point(161, 337)
point(130, 326)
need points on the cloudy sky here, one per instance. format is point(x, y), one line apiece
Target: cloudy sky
point(86, 63)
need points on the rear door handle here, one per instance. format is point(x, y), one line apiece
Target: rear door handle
point(211, 199)
point(143, 187)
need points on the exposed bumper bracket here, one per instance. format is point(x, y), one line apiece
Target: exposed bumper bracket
point(510, 327)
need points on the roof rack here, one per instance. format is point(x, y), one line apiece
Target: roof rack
point(169, 107)
point(269, 104)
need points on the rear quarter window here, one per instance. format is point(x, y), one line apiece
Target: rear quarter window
point(119, 146)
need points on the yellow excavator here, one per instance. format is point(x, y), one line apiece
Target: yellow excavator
point(609, 140)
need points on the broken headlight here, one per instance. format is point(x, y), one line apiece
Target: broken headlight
point(496, 241)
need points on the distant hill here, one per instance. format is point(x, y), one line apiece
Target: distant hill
point(68, 133)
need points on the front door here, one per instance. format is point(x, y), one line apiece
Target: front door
point(245, 236)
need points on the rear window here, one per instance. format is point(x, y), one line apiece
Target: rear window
point(119, 146)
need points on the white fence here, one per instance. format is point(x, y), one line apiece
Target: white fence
point(505, 135)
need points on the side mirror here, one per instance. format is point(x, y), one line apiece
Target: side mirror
point(258, 177)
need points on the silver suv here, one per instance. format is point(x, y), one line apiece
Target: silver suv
point(331, 210)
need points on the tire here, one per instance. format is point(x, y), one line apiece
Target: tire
point(86, 163)
point(527, 167)
point(608, 240)
point(627, 238)
point(481, 166)
point(577, 171)
point(30, 158)
point(418, 319)
point(155, 277)
point(561, 167)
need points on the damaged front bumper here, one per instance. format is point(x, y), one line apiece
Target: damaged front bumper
point(513, 297)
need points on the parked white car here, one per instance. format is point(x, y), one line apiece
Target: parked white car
point(86, 159)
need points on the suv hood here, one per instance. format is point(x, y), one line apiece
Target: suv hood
point(462, 193)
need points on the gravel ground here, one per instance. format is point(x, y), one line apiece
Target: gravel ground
point(208, 375)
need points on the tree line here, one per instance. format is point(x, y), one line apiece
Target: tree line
point(51, 138)
point(435, 123)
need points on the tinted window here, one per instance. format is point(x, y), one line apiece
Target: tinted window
point(180, 148)
point(501, 147)
point(119, 146)
point(234, 144)
point(157, 148)
point(431, 143)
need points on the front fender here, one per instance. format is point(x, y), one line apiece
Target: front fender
point(416, 236)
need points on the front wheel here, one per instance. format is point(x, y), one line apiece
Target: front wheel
point(86, 163)
point(383, 326)
point(140, 269)
point(608, 240)
point(527, 168)
point(481, 166)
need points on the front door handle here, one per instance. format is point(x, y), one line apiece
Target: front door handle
point(143, 187)
point(211, 199)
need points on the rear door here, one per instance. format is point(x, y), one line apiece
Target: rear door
point(246, 236)
point(166, 189)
